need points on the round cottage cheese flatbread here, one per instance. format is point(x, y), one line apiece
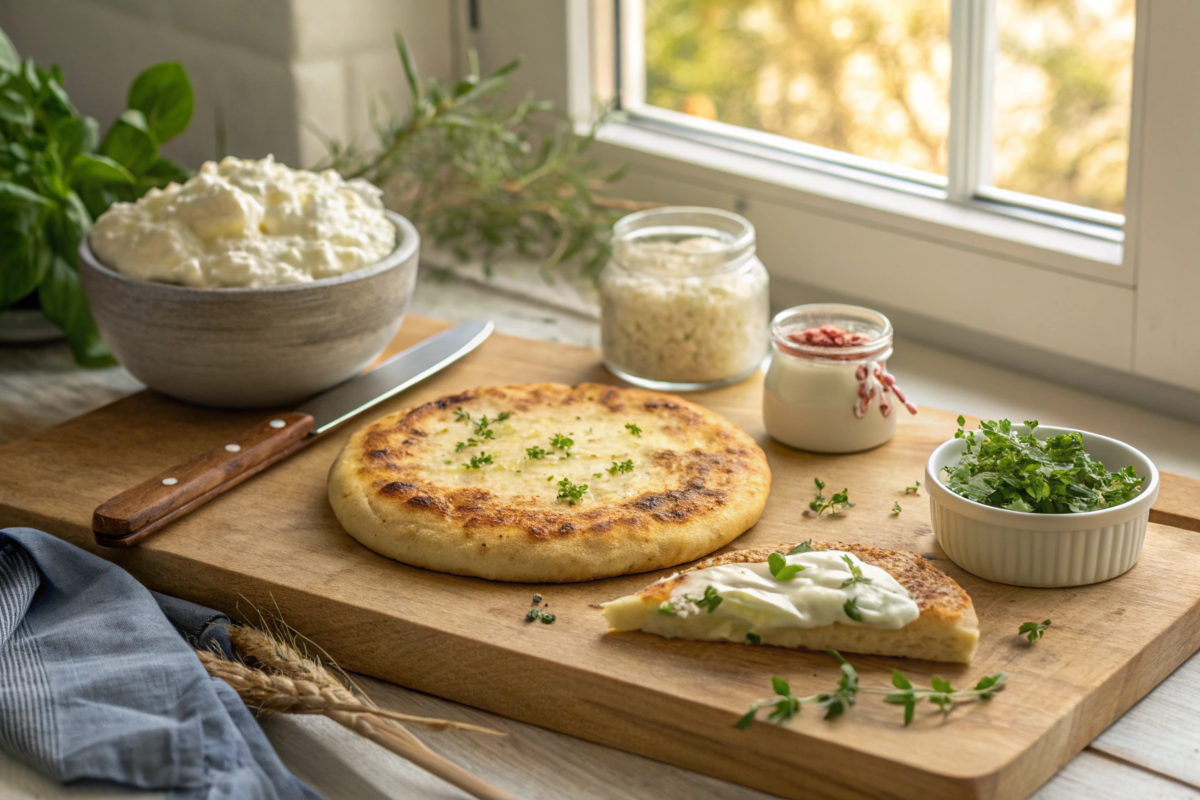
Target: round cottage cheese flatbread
point(667, 482)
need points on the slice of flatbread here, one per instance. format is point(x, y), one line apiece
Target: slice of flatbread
point(946, 630)
point(473, 483)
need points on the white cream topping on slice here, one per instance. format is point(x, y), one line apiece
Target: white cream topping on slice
point(753, 600)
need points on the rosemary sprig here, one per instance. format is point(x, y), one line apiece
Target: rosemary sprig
point(839, 501)
point(482, 176)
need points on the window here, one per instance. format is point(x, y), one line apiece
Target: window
point(1019, 106)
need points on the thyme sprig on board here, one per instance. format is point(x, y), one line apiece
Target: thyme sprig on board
point(1034, 630)
point(839, 501)
point(941, 694)
point(786, 705)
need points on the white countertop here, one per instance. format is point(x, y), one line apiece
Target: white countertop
point(1151, 752)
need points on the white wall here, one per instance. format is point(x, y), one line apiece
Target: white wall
point(269, 68)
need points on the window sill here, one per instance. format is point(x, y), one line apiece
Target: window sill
point(882, 203)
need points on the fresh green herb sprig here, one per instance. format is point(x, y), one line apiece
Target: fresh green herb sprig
point(896, 509)
point(803, 547)
point(462, 416)
point(535, 452)
point(57, 175)
point(481, 176)
point(479, 461)
point(571, 492)
point(561, 442)
point(471, 442)
point(781, 570)
point(1018, 472)
point(483, 424)
point(709, 601)
point(942, 695)
point(856, 574)
point(753, 638)
point(914, 489)
point(622, 468)
point(633, 428)
point(839, 501)
point(1034, 630)
point(786, 705)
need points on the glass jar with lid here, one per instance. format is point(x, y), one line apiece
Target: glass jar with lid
point(684, 299)
point(828, 389)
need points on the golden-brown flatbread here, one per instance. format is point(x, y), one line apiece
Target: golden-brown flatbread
point(667, 482)
point(946, 630)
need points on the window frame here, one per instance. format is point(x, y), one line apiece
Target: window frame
point(974, 46)
point(1123, 307)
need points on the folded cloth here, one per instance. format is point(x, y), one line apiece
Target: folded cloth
point(96, 683)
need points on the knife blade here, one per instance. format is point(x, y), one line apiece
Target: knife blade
point(131, 516)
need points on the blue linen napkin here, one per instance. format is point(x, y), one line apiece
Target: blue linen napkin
point(96, 683)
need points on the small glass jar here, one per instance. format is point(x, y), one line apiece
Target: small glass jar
point(828, 389)
point(684, 300)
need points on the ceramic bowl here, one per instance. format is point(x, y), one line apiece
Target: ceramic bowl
point(251, 348)
point(1044, 550)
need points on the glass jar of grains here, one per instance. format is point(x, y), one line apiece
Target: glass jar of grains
point(683, 300)
point(828, 389)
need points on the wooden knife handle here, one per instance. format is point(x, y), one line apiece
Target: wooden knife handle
point(133, 515)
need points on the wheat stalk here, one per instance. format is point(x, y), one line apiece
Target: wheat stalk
point(290, 682)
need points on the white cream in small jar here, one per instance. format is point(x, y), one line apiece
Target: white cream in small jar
point(828, 389)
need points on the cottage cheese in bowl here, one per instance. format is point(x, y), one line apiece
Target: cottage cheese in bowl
point(245, 223)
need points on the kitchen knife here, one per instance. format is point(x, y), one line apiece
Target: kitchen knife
point(133, 515)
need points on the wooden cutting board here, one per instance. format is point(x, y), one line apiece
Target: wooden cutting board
point(273, 544)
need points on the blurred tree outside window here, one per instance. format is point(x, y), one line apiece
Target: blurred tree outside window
point(872, 78)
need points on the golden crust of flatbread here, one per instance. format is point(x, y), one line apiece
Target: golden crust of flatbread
point(401, 485)
point(947, 629)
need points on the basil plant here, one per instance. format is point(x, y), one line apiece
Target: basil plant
point(57, 174)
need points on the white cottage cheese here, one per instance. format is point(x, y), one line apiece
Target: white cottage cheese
point(663, 322)
point(246, 224)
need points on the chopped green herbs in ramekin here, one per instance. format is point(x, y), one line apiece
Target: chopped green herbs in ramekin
point(1018, 472)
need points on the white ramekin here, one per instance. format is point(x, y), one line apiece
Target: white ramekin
point(1044, 550)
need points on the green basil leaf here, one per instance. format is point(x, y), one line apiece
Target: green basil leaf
point(75, 135)
point(14, 109)
point(63, 302)
point(9, 60)
point(99, 169)
point(163, 94)
point(25, 258)
point(164, 170)
point(130, 143)
point(13, 195)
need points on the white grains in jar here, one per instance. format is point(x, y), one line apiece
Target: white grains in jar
point(828, 389)
point(684, 299)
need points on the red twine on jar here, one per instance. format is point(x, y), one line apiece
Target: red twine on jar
point(874, 380)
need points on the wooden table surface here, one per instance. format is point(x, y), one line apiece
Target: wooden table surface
point(1151, 752)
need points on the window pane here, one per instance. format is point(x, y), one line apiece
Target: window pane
point(1062, 99)
point(868, 77)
